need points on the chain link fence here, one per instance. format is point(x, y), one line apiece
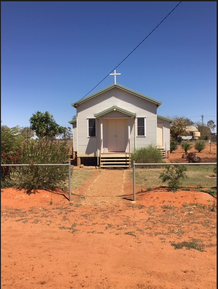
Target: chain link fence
point(66, 164)
point(152, 177)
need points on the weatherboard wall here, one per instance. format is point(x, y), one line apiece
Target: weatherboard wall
point(165, 133)
point(88, 146)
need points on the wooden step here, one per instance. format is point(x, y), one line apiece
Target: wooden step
point(162, 151)
point(118, 155)
point(116, 160)
point(114, 166)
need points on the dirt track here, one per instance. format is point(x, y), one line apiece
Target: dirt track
point(103, 240)
point(108, 245)
point(106, 186)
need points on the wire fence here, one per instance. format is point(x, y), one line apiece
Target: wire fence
point(66, 164)
point(152, 165)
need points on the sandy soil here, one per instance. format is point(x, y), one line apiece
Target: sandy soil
point(104, 240)
point(209, 154)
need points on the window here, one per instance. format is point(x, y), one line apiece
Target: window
point(91, 127)
point(141, 126)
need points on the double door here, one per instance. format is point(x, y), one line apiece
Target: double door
point(117, 135)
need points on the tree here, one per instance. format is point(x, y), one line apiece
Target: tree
point(204, 130)
point(44, 125)
point(178, 127)
point(44, 151)
point(173, 146)
point(11, 143)
point(211, 125)
point(174, 176)
point(189, 122)
point(26, 132)
point(67, 133)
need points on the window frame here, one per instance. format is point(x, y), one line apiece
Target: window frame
point(88, 127)
point(137, 126)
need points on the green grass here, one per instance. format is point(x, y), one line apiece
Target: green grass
point(198, 176)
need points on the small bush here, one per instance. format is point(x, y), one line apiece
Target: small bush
point(200, 145)
point(210, 192)
point(173, 146)
point(148, 154)
point(7, 183)
point(186, 146)
point(43, 151)
point(173, 175)
point(189, 245)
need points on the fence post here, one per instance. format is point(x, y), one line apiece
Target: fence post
point(69, 181)
point(134, 196)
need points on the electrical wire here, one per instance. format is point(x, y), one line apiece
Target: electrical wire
point(134, 48)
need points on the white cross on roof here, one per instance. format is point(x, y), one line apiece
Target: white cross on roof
point(115, 74)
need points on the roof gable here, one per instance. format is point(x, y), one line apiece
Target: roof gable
point(115, 108)
point(76, 104)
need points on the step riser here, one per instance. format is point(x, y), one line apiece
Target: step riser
point(163, 153)
point(115, 161)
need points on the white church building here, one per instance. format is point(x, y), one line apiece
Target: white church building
point(111, 123)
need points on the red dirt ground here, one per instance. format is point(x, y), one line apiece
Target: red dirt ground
point(108, 242)
point(209, 154)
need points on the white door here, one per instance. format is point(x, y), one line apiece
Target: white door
point(117, 135)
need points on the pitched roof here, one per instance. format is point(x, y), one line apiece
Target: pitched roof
point(191, 128)
point(114, 108)
point(76, 104)
point(165, 118)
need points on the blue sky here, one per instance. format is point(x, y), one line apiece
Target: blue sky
point(54, 53)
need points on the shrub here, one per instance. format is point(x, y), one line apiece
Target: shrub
point(10, 151)
point(186, 146)
point(148, 154)
point(43, 151)
point(173, 146)
point(174, 175)
point(200, 145)
point(189, 245)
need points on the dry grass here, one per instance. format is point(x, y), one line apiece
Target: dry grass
point(200, 176)
point(79, 176)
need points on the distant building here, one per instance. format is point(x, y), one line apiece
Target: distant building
point(192, 133)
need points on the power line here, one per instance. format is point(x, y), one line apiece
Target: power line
point(200, 115)
point(135, 47)
point(193, 116)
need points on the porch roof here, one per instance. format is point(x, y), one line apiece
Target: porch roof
point(115, 108)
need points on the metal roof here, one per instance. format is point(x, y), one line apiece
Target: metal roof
point(75, 104)
point(114, 108)
point(164, 118)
